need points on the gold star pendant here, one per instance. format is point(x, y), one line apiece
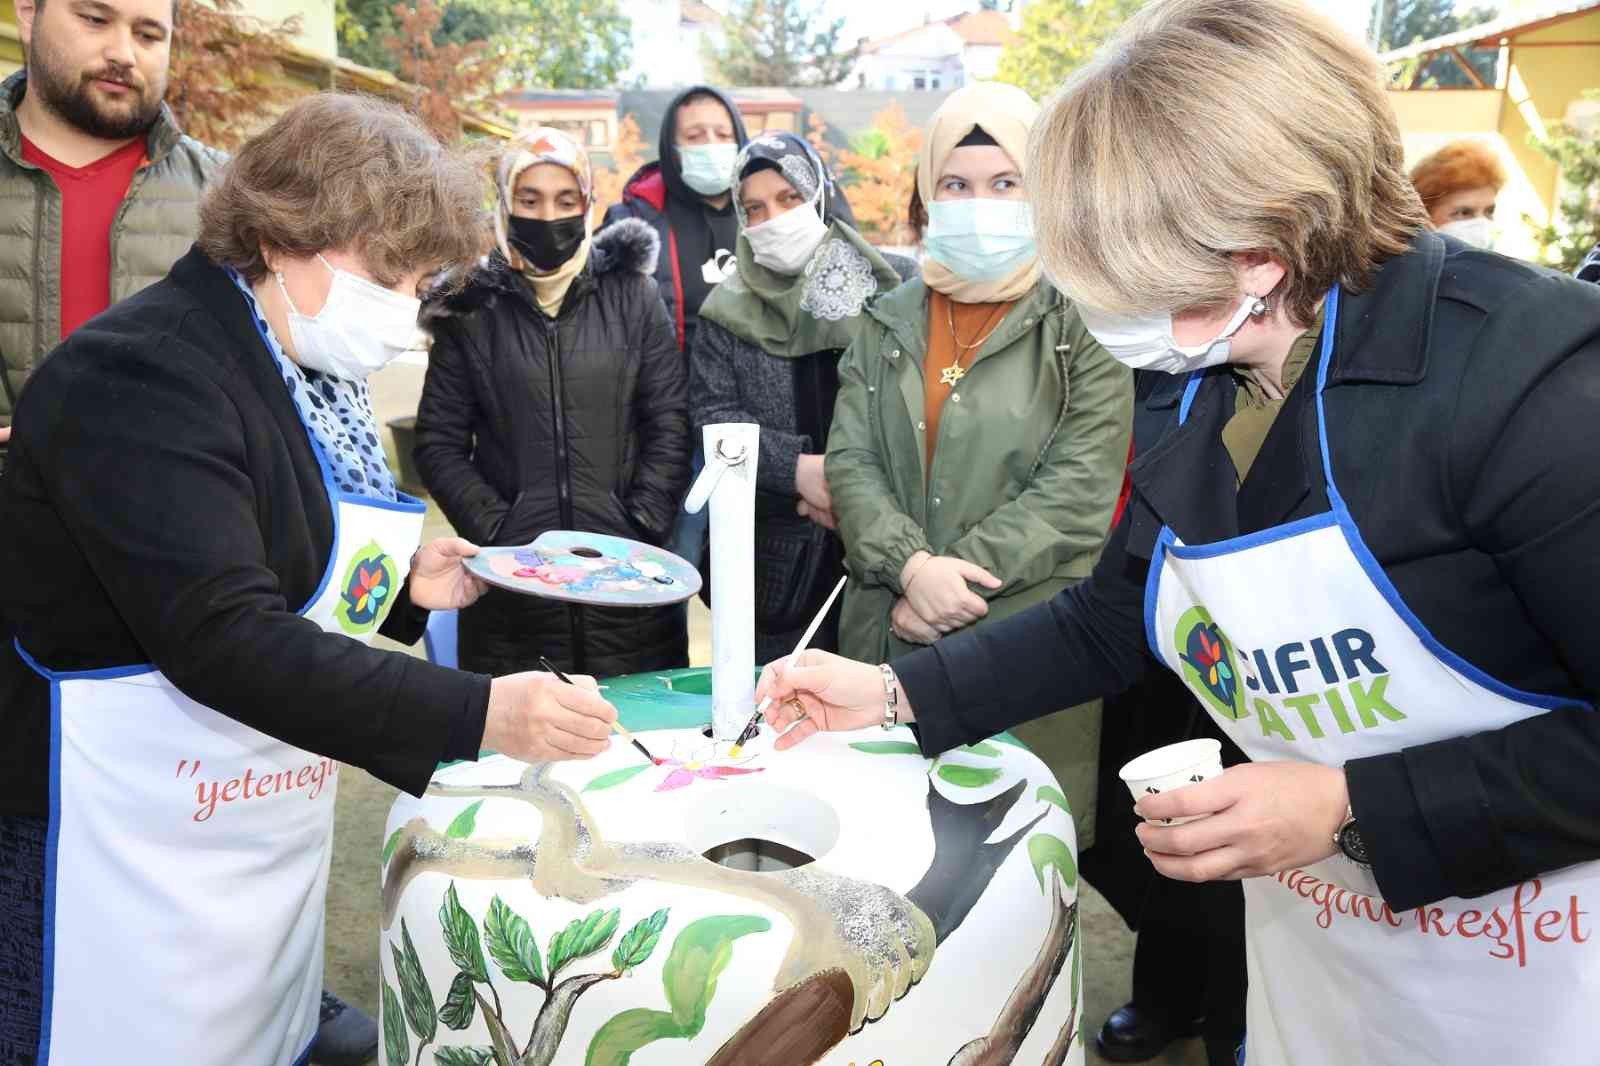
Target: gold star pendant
point(950, 375)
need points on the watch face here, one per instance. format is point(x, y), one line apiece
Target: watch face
point(1354, 845)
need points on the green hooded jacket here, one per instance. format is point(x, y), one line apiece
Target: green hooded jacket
point(153, 229)
point(1027, 468)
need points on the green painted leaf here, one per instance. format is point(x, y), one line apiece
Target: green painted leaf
point(1046, 850)
point(887, 747)
point(390, 844)
point(459, 1004)
point(461, 937)
point(510, 940)
point(616, 1041)
point(616, 777)
point(638, 943)
point(582, 937)
point(396, 1046)
point(463, 824)
point(1053, 795)
point(969, 776)
point(699, 955)
point(463, 1056)
point(414, 991)
point(983, 748)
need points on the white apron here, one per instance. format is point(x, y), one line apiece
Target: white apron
point(187, 862)
point(1296, 642)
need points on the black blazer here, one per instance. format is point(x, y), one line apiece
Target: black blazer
point(1463, 407)
point(162, 504)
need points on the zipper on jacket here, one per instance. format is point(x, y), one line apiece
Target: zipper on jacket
point(558, 423)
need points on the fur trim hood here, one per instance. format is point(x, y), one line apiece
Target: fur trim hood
point(628, 246)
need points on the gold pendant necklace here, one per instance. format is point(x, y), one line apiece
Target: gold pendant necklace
point(952, 374)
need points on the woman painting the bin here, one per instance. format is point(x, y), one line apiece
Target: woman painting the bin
point(1376, 502)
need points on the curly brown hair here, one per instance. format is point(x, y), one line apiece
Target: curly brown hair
point(343, 171)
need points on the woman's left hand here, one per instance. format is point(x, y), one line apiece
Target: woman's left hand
point(438, 580)
point(1255, 820)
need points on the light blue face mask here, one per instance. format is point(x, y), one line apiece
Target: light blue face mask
point(980, 239)
point(708, 168)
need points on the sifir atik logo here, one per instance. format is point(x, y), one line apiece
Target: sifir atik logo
point(1301, 690)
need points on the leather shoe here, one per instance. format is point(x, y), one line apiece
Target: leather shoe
point(1135, 1034)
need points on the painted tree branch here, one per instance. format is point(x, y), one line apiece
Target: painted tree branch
point(799, 1025)
point(1022, 1008)
point(963, 864)
point(550, 1027)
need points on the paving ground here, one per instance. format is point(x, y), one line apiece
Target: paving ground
point(363, 807)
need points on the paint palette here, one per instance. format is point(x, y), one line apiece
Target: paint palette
point(589, 568)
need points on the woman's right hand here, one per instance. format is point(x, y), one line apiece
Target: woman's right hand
point(938, 592)
point(834, 694)
point(536, 717)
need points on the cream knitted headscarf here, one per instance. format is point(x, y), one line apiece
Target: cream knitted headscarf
point(544, 144)
point(1006, 113)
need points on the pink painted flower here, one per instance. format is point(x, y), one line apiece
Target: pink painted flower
point(684, 773)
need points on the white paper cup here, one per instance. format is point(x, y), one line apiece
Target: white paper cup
point(1173, 766)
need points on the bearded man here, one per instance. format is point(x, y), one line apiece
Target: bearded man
point(99, 189)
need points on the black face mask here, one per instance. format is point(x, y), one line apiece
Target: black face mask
point(546, 244)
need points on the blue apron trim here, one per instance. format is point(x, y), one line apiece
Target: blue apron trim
point(1374, 570)
point(103, 674)
point(305, 1056)
point(1338, 514)
point(1152, 587)
point(1309, 524)
point(47, 953)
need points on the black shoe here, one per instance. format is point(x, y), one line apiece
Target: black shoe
point(346, 1036)
point(1223, 1051)
point(1132, 1034)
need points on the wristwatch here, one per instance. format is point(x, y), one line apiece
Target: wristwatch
point(1349, 840)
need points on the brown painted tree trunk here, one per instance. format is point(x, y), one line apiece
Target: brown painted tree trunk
point(796, 1028)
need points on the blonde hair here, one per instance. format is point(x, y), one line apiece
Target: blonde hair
point(1458, 165)
point(337, 170)
point(1212, 127)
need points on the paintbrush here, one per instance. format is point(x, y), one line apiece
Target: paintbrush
point(805, 638)
point(616, 727)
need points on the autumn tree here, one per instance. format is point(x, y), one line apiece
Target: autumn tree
point(625, 159)
point(1058, 36)
point(444, 79)
point(225, 81)
point(876, 172)
point(780, 42)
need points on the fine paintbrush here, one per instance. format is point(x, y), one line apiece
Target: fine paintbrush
point(617, 727)
point(805, 638)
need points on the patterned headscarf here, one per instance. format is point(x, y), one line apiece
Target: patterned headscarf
point(796, 160)
point(543, 144)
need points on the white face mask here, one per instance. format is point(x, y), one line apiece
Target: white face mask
point(1477, 232)
point(785, 244)
point(980, 238)
point(363, 327)
point(707, 168)
point(1145, 342)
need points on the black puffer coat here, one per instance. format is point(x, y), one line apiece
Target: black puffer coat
point(529, 423)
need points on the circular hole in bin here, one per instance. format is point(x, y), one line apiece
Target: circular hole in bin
point(760, 827)
point(587, 553)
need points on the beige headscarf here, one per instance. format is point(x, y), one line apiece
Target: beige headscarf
point(545, 144)
point(1006, 113)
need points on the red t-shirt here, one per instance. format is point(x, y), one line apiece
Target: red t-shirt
point(90, 197)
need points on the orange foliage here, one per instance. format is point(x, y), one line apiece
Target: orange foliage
point(442, 76)
point(626, 156)
point(225, 82)
point(877, 173)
